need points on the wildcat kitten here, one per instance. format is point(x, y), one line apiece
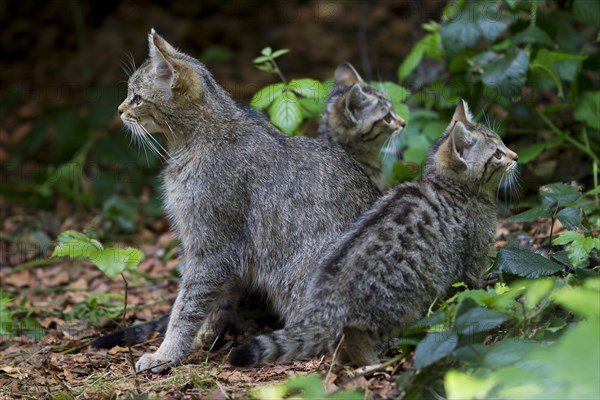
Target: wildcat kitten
point(403, 253)
point(360, 119)
point(248, 203)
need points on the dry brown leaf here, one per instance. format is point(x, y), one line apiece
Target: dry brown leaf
point(118, 349)
point(19, 279)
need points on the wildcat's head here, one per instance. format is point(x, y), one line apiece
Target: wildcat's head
point(167, 91)
point(471, 154)
point(358, 116)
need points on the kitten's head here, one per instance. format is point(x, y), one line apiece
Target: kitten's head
point(471, 154)
point(358, 115)
point(168, 87)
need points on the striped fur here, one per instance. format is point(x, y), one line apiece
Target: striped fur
point(250, 205)
point(402, 254)
point(361, 119)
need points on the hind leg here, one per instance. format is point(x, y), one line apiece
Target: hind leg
point(358, 348)
point(222, 314)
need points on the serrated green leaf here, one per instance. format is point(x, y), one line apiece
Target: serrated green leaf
point(113, 261)
point(479, 319)
point(265, 96)
point(588, 109)
point(74, 245)
point(285, 112)
point(532, 214)
point(508, 75)
point(567, 237)
point(279, 53)
point(267, 51)
point(558, 194)
point(434, 347)
point(308, 88)
point(524, 263)
point(571, 218)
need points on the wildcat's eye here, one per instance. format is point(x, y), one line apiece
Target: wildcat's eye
point(498, 154)
point(137, 99)
point(388, 118)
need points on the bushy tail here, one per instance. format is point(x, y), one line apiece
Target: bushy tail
point(298, 341)
point(134, 334)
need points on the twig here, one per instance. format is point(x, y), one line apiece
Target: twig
point(127, 342)
point(594, 165)
point(335, 354)
point(567, 137)
point(375, 368)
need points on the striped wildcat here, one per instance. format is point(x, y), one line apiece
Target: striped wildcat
point(403, 253)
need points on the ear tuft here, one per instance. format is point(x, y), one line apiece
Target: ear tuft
point(346, 75)
point(462, 113)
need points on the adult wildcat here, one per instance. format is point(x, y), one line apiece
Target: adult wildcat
point(403, 253)
point(248, 203)
point(359, 118)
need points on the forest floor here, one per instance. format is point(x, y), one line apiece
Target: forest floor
point(66, 298)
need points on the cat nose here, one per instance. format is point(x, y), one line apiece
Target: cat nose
point(120, 109)
point(401, 122)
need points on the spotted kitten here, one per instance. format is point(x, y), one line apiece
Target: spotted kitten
point(360, 119)
point(403, 253)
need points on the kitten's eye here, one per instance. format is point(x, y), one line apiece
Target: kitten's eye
point(498, 154)
point(388, 118)
point(137, 99)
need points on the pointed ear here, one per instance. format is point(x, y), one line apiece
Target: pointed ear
point(355, 100)
point(462, 113)
point(461, 139)
point(345, 74)
point(160, 55)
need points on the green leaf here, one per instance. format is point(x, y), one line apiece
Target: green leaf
point(266, 51)
point(582, 302)
point(529, 153)
point(543, 62)
point(567, 237)
point(265, 96)
point(114, 260)
point(411, 61)
point(279, 53)
point(536, 290)
point(508, 75)
point(524, 263)
point(397, 93)
point(566, 65)
point(588, 109)
point(434, 347)
point(461, 386)
point(558, 194)
point(308, 88)
point(260, 60)
point(285, 112)
point(479, 319)
point(571, 217)
point(532, 214)
point(75, 245)
point(533, 35)
point(587, 11)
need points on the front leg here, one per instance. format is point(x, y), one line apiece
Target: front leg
point(201, 284)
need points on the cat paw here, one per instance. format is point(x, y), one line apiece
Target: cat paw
point(153, 362)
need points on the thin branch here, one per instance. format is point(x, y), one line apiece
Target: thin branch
point(126, 333)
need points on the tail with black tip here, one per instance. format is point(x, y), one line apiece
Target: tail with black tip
point(296, 342)
point(134, 334)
